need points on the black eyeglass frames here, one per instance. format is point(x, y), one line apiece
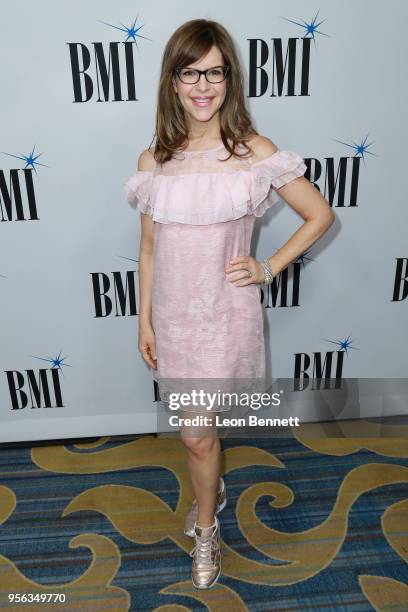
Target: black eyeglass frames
point(189, 76)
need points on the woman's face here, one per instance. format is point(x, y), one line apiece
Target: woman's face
point(212, 94)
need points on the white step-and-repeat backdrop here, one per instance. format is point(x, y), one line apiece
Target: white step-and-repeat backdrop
point(79, 83)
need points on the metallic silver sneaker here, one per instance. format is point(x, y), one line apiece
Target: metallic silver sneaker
point(192, 514)
point(206, 555)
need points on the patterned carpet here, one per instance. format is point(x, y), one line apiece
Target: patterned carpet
point(312, 523)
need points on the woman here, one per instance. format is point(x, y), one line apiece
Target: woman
point(199, 190)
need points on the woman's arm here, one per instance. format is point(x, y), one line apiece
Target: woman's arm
point(303, 197)
point(146, 162)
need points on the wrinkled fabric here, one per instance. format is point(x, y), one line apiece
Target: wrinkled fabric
point(205, 326)
point(199, 188)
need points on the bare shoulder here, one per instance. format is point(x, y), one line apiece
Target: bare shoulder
point(262, 147)
point(146, 161)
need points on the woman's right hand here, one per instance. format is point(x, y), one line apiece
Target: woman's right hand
point(147, 344)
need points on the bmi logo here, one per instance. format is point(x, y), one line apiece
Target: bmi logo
point(288, 71)
point(108, 69)
point(17, 192)
point(114, 293)
point(37, 387)
point(322, 366)
point(400, 292)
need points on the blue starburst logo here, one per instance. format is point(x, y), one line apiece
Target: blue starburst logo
point(131, 32)
point(136, 261)
point(303, 257)
point(359, 149)
point(56, 362)
point(343, 344)
point(30, 159)
point(128, 258)
point(310, 29)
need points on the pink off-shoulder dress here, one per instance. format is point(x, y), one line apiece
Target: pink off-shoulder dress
point(204, 209)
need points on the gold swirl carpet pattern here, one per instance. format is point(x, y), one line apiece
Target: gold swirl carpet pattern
point(313, 522)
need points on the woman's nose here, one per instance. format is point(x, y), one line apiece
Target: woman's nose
point(202, 82)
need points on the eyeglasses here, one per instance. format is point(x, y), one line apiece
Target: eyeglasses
point(189, 76)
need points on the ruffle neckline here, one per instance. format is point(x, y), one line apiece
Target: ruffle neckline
point(202, 198)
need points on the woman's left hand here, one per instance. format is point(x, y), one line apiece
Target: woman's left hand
point(238, 268)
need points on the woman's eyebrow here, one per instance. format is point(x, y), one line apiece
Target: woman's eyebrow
point(191, 68)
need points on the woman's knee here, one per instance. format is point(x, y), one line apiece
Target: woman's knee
point(199, 445)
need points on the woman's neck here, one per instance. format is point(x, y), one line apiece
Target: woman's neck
point(205, 135)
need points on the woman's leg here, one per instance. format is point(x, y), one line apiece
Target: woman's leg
point(204, 464)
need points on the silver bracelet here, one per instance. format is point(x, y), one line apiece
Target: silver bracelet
point(268, 272)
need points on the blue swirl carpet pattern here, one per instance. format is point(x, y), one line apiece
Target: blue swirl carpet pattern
point(312, 522)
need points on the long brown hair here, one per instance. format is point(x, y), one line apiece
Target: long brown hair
point(191, 41)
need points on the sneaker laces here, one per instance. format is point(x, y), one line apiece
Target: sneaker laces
point(203, 548)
